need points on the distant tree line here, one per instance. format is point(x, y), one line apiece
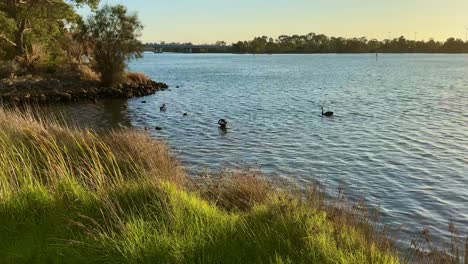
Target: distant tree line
point(223, 47)
point(319, 43)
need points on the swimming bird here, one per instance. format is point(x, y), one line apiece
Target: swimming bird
point(185, 114)
point(327, 114)
point(222, 123)
point(158, 128)
point(163, 108)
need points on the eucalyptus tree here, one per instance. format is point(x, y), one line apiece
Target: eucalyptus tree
point(23, 22)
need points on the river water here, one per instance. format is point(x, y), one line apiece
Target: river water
point(399, 136)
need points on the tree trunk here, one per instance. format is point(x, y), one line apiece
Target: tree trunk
point(19, 39)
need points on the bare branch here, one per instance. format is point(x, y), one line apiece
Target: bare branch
point(2, 36)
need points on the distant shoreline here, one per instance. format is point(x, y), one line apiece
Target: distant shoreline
point(313, 43)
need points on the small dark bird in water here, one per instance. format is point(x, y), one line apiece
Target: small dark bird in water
point(143, 102)
point(177, 86)
point(163, 108)
point(185, 114)
point(327, 114)
point(158, 128)
point(222, 123)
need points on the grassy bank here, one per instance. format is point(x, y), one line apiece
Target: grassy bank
point(73, 196)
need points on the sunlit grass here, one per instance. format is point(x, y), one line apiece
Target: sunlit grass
point(73, 196)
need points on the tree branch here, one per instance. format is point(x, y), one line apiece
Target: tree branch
point(2, 36)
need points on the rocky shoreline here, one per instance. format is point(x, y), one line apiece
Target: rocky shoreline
point(64, 91)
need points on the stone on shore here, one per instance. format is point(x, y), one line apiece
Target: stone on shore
point(29, 90)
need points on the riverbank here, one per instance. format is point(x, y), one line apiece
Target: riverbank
point(121, 197)
point(34, 90)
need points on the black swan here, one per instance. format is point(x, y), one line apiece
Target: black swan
point(163, 108)
point(328, 114)
point(222, 123)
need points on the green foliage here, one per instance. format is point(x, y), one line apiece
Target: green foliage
point(8, 69)
point(26, 23)
point(318, 43)
point(114, 34)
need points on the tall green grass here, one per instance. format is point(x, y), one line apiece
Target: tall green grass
point(74, 196)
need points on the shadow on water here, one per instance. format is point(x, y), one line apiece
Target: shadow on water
point(222, 131)
point(102, 115)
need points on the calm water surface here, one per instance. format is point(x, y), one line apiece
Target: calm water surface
point(399, 136)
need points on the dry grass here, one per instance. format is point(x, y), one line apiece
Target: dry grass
point(424, 249)
point(235, 191)
point(136, 77)
point(50, 153)
point(88, 74)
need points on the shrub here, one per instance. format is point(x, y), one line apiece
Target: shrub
point(114, 34)
point(136, 77)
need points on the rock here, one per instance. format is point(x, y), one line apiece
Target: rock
point(26, 85)
point(29, 89)
point(66, 96)
point(115, 92)
point(55, 83)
